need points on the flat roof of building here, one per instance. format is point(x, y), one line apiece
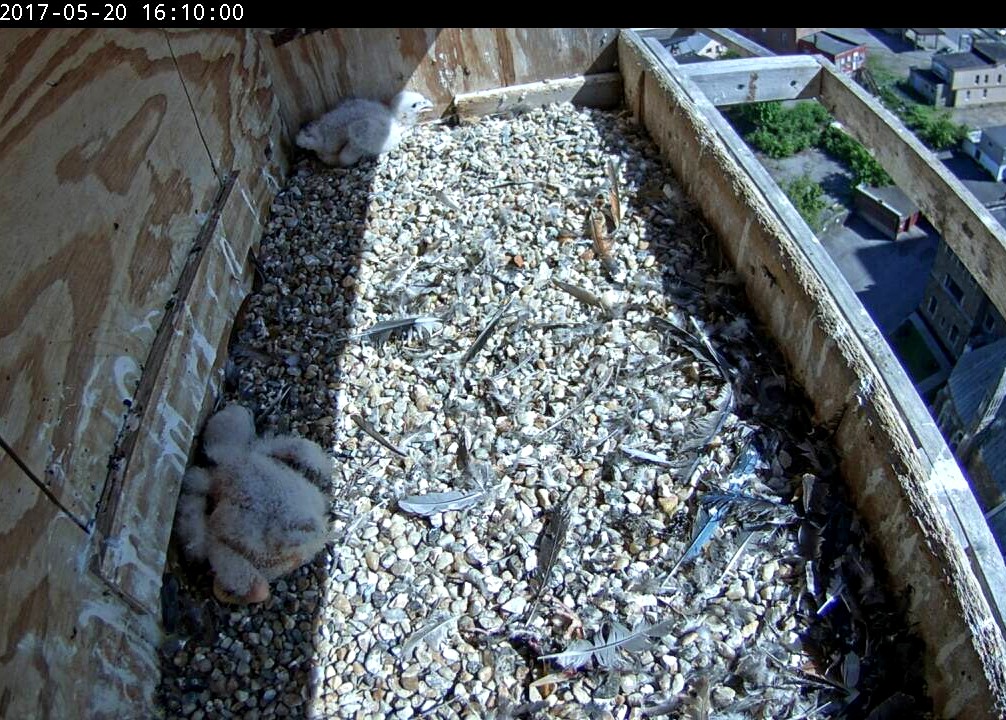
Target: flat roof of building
point(991, 50)
point(831, 44)
point(961, 61)
point(996, 133)
point(892, 197)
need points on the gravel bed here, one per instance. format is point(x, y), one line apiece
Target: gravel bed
point(525, 315)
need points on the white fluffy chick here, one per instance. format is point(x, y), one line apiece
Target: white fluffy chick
point(357, 128)
point(253, 515)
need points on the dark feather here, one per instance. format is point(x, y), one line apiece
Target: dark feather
point(614, 200)
point(550, 543)
point(486, 333)
point(372, 431)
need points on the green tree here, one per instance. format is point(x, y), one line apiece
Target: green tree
point(935, 128)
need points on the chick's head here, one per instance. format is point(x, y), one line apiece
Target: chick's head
point(230, 430)
point(407, 106)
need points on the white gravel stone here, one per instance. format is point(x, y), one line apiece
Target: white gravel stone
point(412, 614)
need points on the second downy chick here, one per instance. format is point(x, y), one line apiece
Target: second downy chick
point(359, 128)
point(253, 515)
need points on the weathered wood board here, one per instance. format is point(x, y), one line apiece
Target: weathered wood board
point(115, 145)
point(68, 646)
point(228, 86)
point(896, 484)
point(603, 90)
point(97, 130)
point(312, 72)
point(790, 77)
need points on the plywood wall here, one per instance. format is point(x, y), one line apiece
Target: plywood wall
point(115, 146)
point(312, 72)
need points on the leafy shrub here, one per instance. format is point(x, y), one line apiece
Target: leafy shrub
point(934, 128)
point(780, 132)
point(842, 147)
point(807, 197)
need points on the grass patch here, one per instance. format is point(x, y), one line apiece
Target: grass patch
point(913, 352)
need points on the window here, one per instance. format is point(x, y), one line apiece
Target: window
point(978, 79)
point(986, 78)
point(954, 333)
point(1000, 79)
point(967, 94)
point(932, 305)
point(953, 288)
point(985, 92)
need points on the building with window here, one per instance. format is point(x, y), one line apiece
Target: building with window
point(847, 55)
point(783, 41)
point(988, 147)
point(971, 415)
point(956, 309)
point(960, 79)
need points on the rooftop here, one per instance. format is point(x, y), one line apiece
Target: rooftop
point(991, 50)
point(831, 44)
point(996, 133)
point(891, 196)
point(961, 61)
point(975, 372)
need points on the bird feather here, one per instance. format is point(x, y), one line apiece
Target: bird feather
point(433, 634)
point(613, 195)
point(372, 431)
point(606, 647)
point(433, 503)
point(424, 324)
point(486, 333)
point(552, 539)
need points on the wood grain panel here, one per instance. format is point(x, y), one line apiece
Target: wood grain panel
point(144, 489)
point(113, 145)
point(68, 647)
point(97, 131)
point(312, 72)
point(228, 87)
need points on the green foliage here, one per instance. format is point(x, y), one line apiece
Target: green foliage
point(933, 127)
point(780, 132)
point(808, 198)
point(882, 75)
point(842, 147)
